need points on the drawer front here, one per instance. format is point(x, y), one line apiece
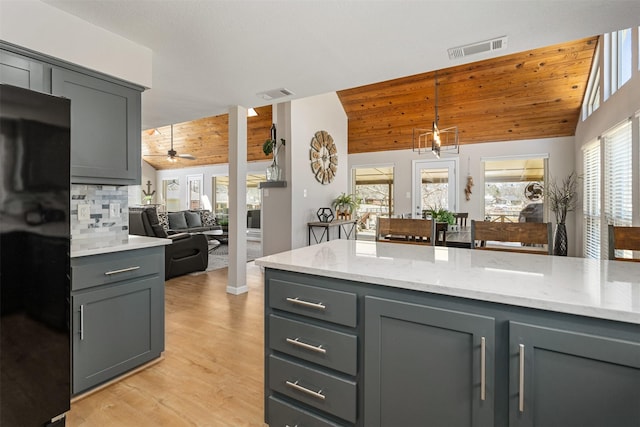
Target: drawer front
point(326, 347)
point(320, 303)
point(321, 390)
point(108, 268)
point(282, 414)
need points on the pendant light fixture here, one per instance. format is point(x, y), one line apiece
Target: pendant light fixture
point(436, 139)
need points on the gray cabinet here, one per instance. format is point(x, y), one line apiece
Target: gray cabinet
point(117, 314)
point(106, 122)
point(427, 366)
point(311, 362)
point(429, 359)
point(105, 128)
point(24, 72)
point(562, 378)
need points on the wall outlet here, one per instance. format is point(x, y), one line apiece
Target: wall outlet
point(84, 212)
point(114, 210)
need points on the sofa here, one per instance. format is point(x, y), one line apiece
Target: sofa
point(188, 221)
point(186, 254)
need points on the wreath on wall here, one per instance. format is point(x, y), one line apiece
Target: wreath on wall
point(324, 157)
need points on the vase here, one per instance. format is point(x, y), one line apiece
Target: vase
point(273, 171)
point(560, 243)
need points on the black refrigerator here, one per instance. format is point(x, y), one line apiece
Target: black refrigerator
point(35, 363)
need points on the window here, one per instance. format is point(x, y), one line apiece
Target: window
point(592, 95)
point(220, 184)
point(591, 191)
point(374, 186)
point(513, 189)
point(617, 176)
point(624, 56)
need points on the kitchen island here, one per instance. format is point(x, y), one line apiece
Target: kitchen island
point(384, 334)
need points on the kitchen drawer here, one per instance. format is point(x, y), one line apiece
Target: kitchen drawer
point(329, 393)
point(282, 414)
point(102, 269)
point(326, 347)
point(320, 303)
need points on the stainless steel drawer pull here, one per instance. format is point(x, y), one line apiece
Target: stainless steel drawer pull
point(81, 322)
point(521, 380)
point(483, 368)
point(316, 348)
point(124, 270)
point(316, 305)
point(317, 394)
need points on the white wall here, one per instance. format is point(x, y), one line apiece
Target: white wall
point(561, 163)
point(309, 115)
point(37, 26)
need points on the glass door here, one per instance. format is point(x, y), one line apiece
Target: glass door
point(434, 185)
point(373, 185)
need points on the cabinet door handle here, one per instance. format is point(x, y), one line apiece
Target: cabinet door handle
point(124, 270)
point(298, 343)
point(483, 368)
point(521, 380)
point(317, 394)
point(82, 322)
point(298, 301)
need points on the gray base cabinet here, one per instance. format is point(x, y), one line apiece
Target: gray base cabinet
point(117, 314)
point(562, 378)
point(428, 365)
point(106, 121)
point(428, 359)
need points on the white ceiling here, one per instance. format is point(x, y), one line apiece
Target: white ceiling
point(209, 55)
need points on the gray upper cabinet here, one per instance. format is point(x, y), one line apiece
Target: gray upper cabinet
point(105, 128)
point(20, 71)
point(427, 366)
point(562, 378)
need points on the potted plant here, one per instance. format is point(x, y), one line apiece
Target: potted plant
point(345, 205)
point(272, 146)
point(442, 215)
point(562, 199)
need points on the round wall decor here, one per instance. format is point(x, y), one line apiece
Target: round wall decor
point(324, 157)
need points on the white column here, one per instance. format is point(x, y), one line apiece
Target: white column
point(237, 276)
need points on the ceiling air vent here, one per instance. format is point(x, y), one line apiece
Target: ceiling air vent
point(274, 94)
point(474, 48)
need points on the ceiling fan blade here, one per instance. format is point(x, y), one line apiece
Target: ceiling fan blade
point(186, 156)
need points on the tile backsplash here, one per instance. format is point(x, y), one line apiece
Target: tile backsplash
point(108, 220)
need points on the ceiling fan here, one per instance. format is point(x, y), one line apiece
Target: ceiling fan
point(172, 155)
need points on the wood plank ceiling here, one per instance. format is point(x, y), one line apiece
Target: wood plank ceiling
point(527, 95)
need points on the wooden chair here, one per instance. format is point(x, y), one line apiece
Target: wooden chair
point(405, 230)
point(461, 218)
point(528, 233)
point(623, 238)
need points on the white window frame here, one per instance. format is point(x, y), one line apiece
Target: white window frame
point(592, 211)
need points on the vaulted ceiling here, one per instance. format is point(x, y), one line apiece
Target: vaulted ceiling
point(527, 95)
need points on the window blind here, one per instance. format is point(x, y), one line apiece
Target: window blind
point(591, 209)
point(617, 177)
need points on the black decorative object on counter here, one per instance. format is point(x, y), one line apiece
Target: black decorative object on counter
point(560, 243)
point(325, 215)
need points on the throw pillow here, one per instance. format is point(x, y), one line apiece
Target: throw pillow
point(158, 230)
point(193, 219)
point(207, 218)
point(177, 221)
point(163, 220)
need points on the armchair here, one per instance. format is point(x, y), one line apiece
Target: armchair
point(187, 252)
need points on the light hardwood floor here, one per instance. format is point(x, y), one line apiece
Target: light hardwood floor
point(212, 372)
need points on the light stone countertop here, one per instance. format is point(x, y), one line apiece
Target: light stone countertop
point(135, 242)
point(587, 287)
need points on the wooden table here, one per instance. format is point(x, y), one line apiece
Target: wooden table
point(346, 225)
